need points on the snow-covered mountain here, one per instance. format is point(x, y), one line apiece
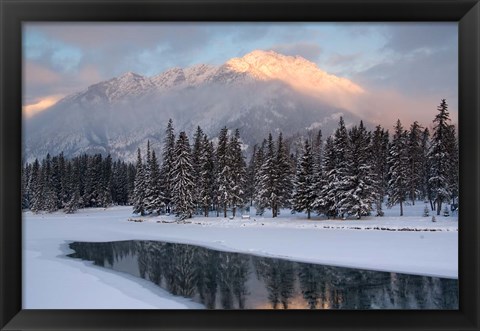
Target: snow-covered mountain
point(259, 93)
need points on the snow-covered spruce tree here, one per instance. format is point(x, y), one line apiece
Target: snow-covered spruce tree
point(426, 192)
point(67, 183)
point(26, 169)
point(238, 172)
point(154, 197)
point(379, 148)
point(267, 185)
point(258, 162)
point(76, 184)
point(46, 191)
point(120, 182)
point(223, 172)
point(69, 189)
point(304, 194)
point(452, 147)
point(106, 184)
point(341, 145)
point(73, 204)
point(326, 202)
point(147, 174)
point(93, 193)
point(140, 184)
point(131, 172)
point(206, 180)
point(359, 183)
point(167, 165)
point(284, 177)
point(183, 194)
point(196, 154)
point(250, 181)
point(398, 168)
point(63, 194)
point(55, 179)
point(317, 167)
point(415, 156)
point(440, 158)
point(36, 185)
point(335, 172)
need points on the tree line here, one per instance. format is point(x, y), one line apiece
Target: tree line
point(350, 174)
point(84, 181)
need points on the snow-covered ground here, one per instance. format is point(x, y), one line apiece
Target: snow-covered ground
point(410, 244)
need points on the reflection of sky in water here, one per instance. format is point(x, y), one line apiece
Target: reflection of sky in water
point(222, 280)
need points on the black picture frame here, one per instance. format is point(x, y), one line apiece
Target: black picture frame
point(14, 12)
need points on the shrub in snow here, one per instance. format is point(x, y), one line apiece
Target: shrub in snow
point(446, 212)
point(426, 211)
point(433, 218)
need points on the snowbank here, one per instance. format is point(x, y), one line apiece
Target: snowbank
point(52, 281)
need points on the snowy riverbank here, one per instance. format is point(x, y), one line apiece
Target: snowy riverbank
point(411, 244)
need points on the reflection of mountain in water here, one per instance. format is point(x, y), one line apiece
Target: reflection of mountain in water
point(222, 280)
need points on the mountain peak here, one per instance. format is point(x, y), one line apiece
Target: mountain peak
point(295, 71)
point(130, 75)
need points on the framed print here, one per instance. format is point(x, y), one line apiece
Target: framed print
point(242, 165)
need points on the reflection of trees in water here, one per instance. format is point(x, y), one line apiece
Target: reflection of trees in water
point(219, 279)
point(207, 271)
point(279, 278)
point(233, 271)
point(240, 266)
point(312, 284)
point(96, 252)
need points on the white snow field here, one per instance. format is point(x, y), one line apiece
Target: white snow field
point(410, 244)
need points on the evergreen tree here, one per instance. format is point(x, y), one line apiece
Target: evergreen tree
point(106, 182)
point(158, 202)
point(183, 194)
point(250, 181)
point(440, 158)
point(196, 154)
point(238, 172)
point(167, 165)
point(380, 168)
point(73, 204)
point(415, 157)
point(318, 170)
point(149, 186)
point(131, 174)
point(36, 187)
point(425, 166)
point(223, 172)
point(284, 180)
point(326, 201)
point(120, 183)
point(340, 143)
point(359, 184)
point(207, 179)
point(26, 168)
point(452, 148)
point(304, 194)
point(398, 168)
point(139, 186)
point(154, 196)
point(267, 194)
point(55, 179)
point(258, 162)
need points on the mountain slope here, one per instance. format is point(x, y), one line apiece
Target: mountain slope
point(259, 93)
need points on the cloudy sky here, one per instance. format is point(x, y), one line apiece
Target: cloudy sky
point(407, 61)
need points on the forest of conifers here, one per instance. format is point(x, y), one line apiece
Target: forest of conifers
point(351, 173)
